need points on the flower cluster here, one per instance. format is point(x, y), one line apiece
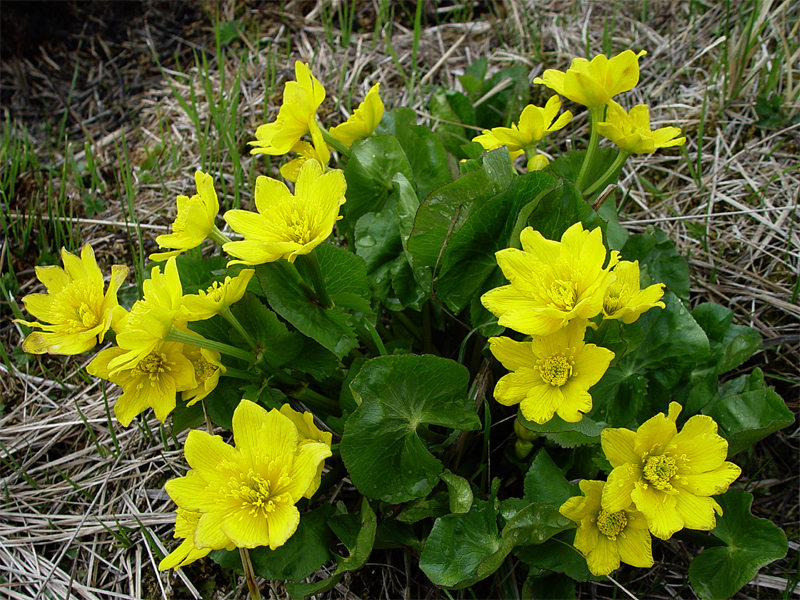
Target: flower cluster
point(555, 289)
point(662, 481)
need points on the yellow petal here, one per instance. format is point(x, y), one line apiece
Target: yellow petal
point(541, 403)
point(654, 435)
point(513, 388)
point(604, 558)
point(696, 512)
point(620, 485)
point(659, 509)
point(207, 455)
point(511, 354)
point(711, 483)
point(248, 421)
point(635, 548)
point(703, 449)
point(618, 446)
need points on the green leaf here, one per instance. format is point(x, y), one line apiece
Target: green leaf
point(377, 241)
point(458, 544)
point(624, 393)
point(545, 482)
point(567, 435)
point(459, 490)
point(446, 209)
point(559, 555)
point(731, 345)
point(435, 505)
point(659, 261)
point(304, 552)
point(751, 543)
point(560, 209)
point(749, 416)
point(199, 273)
point(463, 549)
point(223, 400)
point(398, 395)
point(361, 548)
point(454, 109)
point(425, 152)
point(553, 585)
point(469, 257)
point(506, 102)
point(186, 417)
point(372, 164)
point(277, 345)
point(342, 272)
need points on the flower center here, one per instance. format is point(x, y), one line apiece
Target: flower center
point(153, 365)
point(556, 370)
point(659, 470)
point(616, 298)
point(203, 369)
point(611, 524)
point(562, 294)
point(297, 226)
point(77, 307)
point(215, 292)
point(257, 493)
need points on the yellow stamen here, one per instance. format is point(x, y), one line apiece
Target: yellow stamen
point(556, 370)
point(659, 470)
point(562, 294)
point(611, 524)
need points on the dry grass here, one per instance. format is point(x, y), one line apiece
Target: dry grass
point(83, 500)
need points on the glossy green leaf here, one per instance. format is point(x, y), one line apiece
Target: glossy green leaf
point(277, 345)
point(398, 395)
point(750, 543)
point(434, 505)
point(463, 549)
point(567, 435)
point(423, 148)
point(372, 164)
point(506, 93)
point(455, 110)
point(731, 344)
point(343, 273)
point(545, 482)
point(469, 257)
point(559, 555)
point(459, 490)
point(304, 552)
point(659, 261)
point(750, 415)
point(199, 273)
point(442, 214)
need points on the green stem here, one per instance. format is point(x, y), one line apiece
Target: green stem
point(594, 141)
point(219, 237)
point(334, 143)
point(305, 395)
point(228, 316)
point(239, 374)
point(375, 337)
point(316, 278)
point(605, 179)
point(249, 574)
point(176, 335)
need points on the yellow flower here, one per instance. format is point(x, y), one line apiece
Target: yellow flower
point(670, 476)
point(624, 299)
point(76, 312)
point(534, 123)
point(551, 374)
point(217, 298)
point(185, 524)
point(296, 117)
point(309, 433)
point(489, 141)
point(551, 282)
point(631, 131)
point(594, 83)
point(607, 537)
point(286, 225)
point(194, 221)
point(151, 382)
point(305, 151)
point(151, 318)
point(207, 369)
point(246, 495)
point(363, 121)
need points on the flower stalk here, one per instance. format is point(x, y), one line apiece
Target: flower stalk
point(334, 143)
point(314, 270)
point(176, 335)
point(230, 318)
point(608, 176)
point(596, 115)
point(249, 574)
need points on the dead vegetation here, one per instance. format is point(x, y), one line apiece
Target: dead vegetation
point(83, 503)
